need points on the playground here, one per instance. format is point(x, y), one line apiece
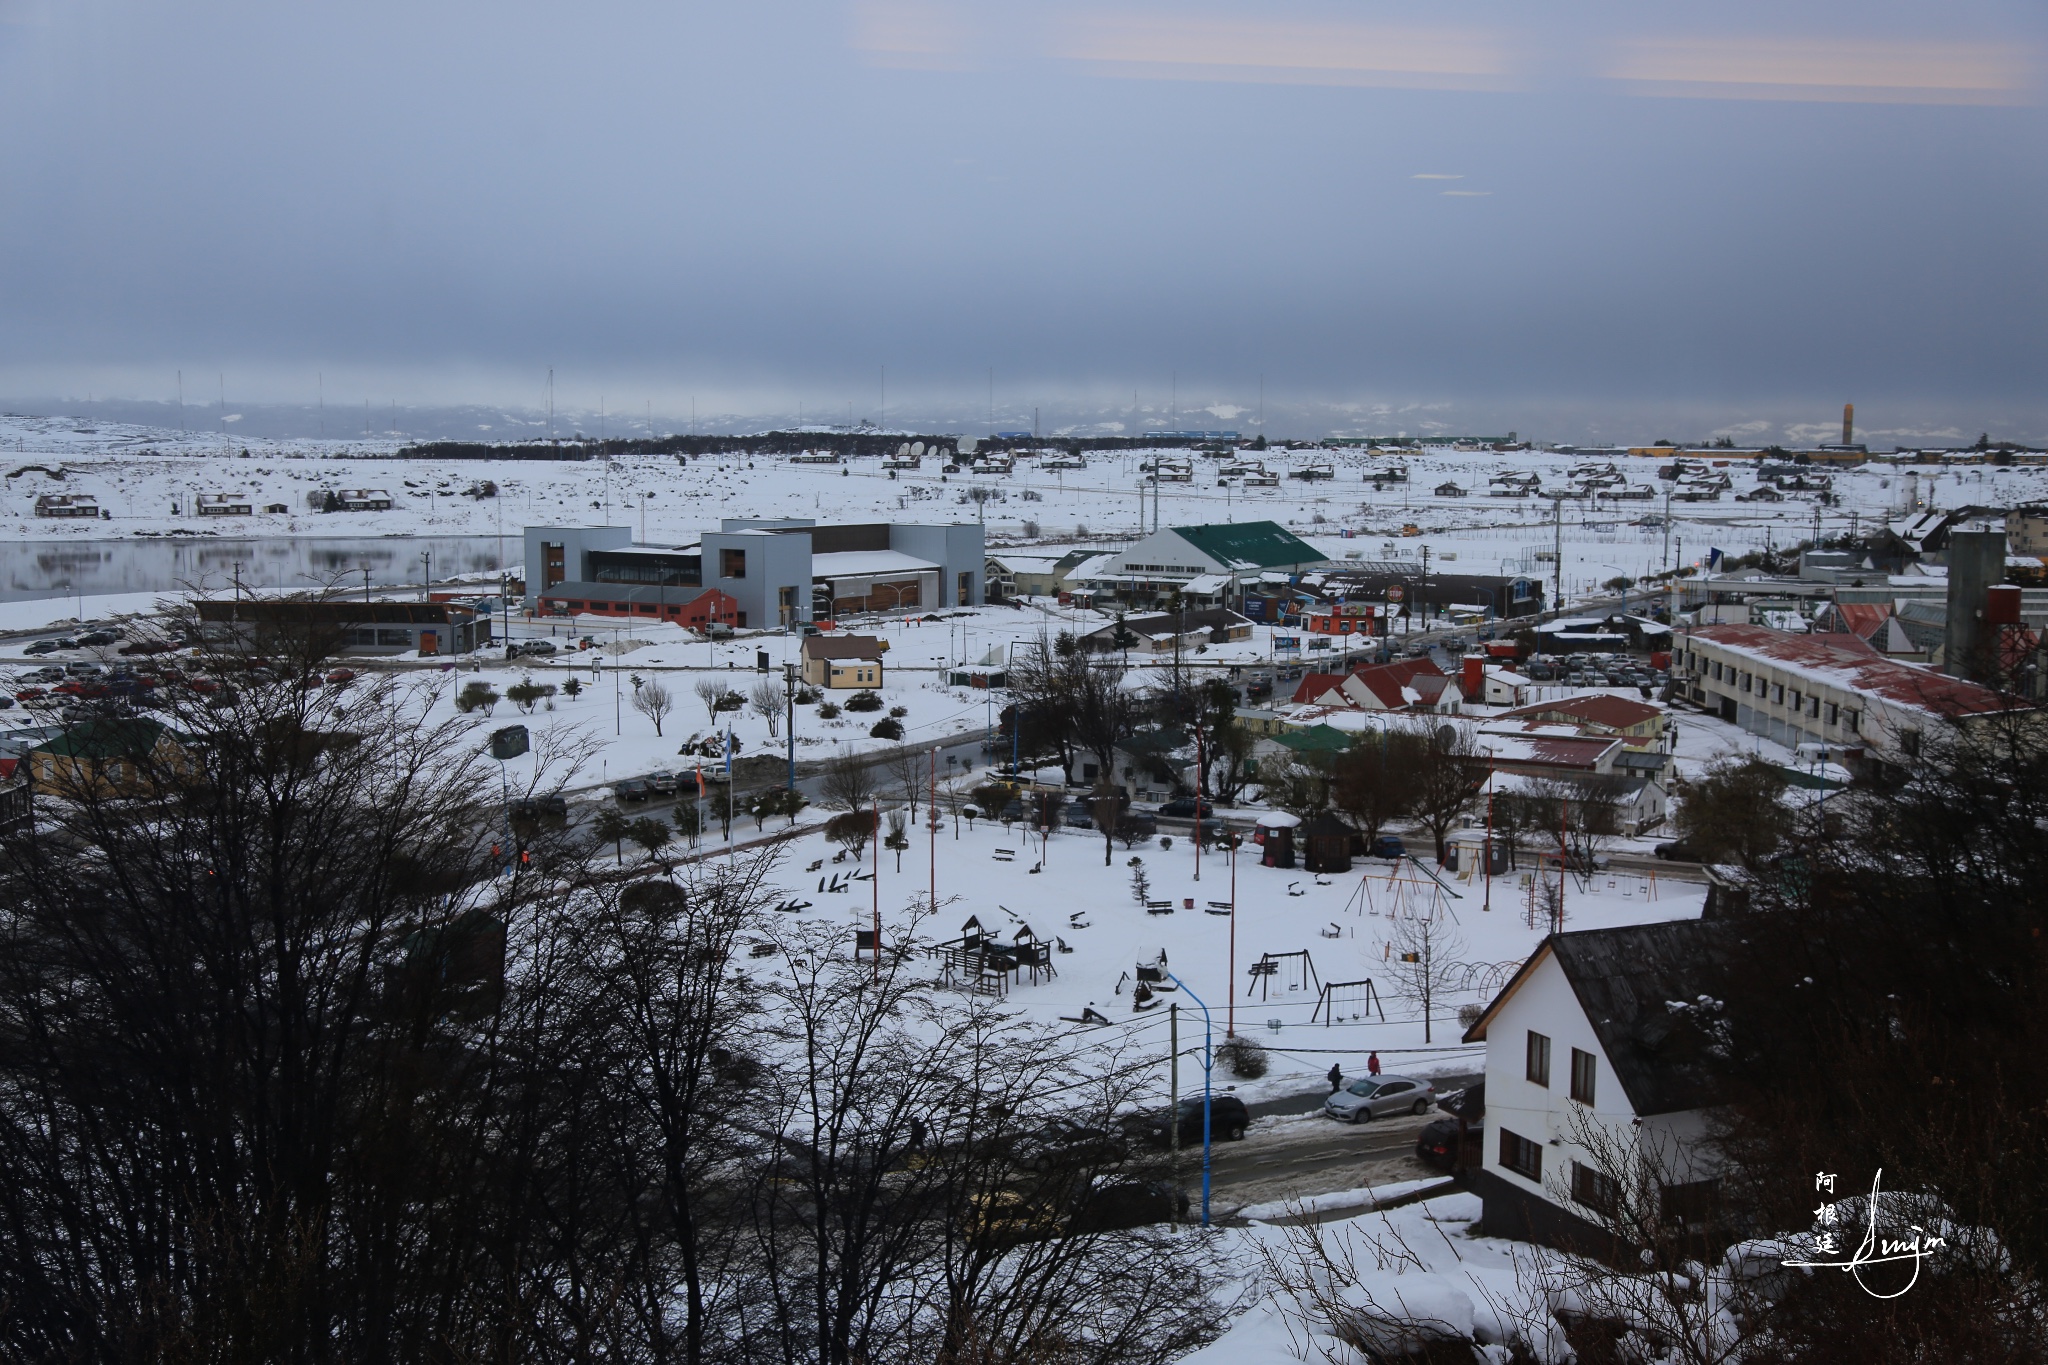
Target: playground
point(1311, 965)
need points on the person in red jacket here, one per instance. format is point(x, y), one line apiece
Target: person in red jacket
point(1372, 1064)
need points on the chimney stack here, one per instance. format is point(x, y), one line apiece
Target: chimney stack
point(1976, 564)
point(1848, 424)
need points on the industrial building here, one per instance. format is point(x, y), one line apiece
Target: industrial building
point(346, 626)
point(776, 573)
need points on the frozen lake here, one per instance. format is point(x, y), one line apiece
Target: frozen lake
point(31, 570)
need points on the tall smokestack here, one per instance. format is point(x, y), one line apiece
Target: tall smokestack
point(1848, 424)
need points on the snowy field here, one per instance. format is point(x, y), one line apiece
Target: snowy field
point(138, 475)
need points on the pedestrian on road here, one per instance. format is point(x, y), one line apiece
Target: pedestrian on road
point(1336, 1078)
point(1372, 1064)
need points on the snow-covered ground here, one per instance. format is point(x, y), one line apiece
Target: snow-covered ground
point(138, 475)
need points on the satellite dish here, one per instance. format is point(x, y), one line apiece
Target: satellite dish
point(1446, 736)
point(903, 449)
point(917, 449)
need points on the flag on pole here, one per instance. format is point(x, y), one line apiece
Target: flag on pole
point(700, 781)
point(728, 753)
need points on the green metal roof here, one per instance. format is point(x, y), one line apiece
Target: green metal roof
point(1317, 739)
point(1251, 544)
point(134, 738)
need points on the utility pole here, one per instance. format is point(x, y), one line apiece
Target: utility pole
point(1424, 603)
point(1557, 555)
point(1173, 1096)
point(789, 674)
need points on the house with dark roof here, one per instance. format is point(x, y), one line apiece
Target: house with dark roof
point(1157, 632)
point(1605, 1042)
point(1638, 724)
point(839, 661)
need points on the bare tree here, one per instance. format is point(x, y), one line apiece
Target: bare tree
point(909, 769)
point(1372, 782)
point(848, 783)
point(1424, 958)
point(768, 702)
point(1106, 805)
point(653, 701)
point(1448, 774)
point(711, 692)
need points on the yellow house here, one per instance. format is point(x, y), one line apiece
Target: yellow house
point(123, 757)
point(839, 661)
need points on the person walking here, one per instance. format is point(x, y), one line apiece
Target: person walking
point(1336, 1078)
point(1372, 1064)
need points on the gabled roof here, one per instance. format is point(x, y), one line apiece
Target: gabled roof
point(1642, 987)
point(1315, 686)
point(861, 648)
point(134, 737)
point(1316, 739)
point(1250, 544)
point(1598, 708)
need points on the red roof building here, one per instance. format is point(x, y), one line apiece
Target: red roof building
point(1824, 690)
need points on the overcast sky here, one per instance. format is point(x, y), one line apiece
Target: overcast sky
point(1718, 213)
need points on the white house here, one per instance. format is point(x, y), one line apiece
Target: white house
point(1601, 1057)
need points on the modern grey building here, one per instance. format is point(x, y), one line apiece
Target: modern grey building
point(780, 572)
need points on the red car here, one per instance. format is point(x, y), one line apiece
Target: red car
point(341, 675)
point(29, 694)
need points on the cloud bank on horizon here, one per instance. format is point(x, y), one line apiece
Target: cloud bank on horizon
point(1099, 209)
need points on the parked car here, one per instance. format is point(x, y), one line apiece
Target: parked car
point(1372, 1096)
point(1228, 1120)
point(1388, 846)
point(1128, 1202)
point(663, 782)
point(550, 807)
point(632, 789)
point(1187, 807)
point(340, 676)
point(93, 639)
point(82, 670)
point(1437, 1143)
point(1137, 824)
point(1678, 851)
point(1078, 816)
point(43, 647)
point(1062, 1143)
point(1259, 687)
point(538, 647)
point(147, 647)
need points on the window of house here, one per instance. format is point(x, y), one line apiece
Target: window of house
point(1813, 706)
point(389, 636)
point(1849, 721)
point(1536, 1062)
point(1583, 1067)
point(1834, 714)
point(1691, 1202)
point(1597, 1191)
point(1520, 1155)
point(732, 563)
point(1794, 700)
point(1909, 742)
point(1777, 694)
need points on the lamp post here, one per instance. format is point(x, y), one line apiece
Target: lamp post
point(1208, 1064)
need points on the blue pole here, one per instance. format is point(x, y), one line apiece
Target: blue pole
point(1208, 1060)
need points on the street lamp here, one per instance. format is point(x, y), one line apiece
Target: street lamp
point(1208, 1064)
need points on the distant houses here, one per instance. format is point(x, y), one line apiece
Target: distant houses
point(222, 505)
point(67, 505)
point(349, 500)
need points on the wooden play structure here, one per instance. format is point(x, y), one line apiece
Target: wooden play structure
point(1268, 968)
point(978, 962)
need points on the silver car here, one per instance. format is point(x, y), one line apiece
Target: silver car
point(1367, 1099)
